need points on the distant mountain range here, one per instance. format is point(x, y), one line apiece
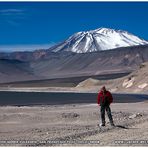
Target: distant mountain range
point(83, 54)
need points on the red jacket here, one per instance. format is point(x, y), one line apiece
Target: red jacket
point(107, 94)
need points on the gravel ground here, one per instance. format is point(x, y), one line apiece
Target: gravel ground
point(73, 125)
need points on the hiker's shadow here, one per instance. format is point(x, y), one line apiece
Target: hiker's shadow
point(121, 126)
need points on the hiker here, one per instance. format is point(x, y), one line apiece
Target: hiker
point(104, 100)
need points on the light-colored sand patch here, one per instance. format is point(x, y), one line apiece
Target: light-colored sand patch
point(88, 83)
point(113, 89)
point(142, 85)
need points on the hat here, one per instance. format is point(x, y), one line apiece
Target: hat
point(103, 88)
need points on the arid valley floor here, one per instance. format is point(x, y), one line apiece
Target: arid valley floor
point(44, 125)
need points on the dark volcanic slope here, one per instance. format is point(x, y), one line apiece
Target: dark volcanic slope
point(61, 82)
point(49, 65)
point(14, 70)
point(67, 64)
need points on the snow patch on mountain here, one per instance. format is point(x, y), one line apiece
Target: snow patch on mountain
point(98, 40)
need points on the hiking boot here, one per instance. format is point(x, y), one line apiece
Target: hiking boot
point(112, 124)
point(101, 124)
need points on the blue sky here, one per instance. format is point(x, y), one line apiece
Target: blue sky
point(33, 25)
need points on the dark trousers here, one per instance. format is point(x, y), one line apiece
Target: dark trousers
point(108, 110)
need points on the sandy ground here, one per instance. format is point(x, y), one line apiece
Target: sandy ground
point(73, 125)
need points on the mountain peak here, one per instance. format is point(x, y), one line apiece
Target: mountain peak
point(97, 40)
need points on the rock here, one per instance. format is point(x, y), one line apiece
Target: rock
point(132, 116)
point(135, 116)
point(128, 82)
point(70, 115)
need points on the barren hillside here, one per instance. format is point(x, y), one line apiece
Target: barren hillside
point(136, 82)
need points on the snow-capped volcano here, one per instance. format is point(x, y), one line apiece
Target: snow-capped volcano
point(97, 40)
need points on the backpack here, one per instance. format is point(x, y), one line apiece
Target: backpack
point(105, 102)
